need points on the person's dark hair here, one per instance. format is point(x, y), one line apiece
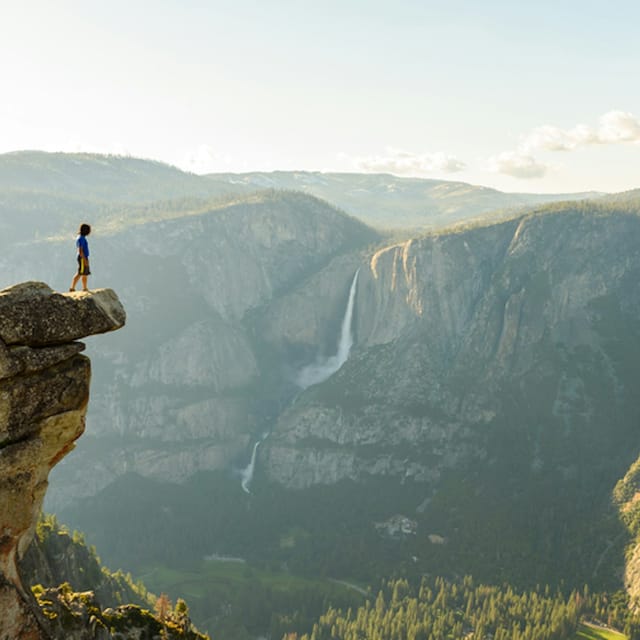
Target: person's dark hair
point(85, 229)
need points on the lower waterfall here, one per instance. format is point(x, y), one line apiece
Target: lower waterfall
point(247, 473)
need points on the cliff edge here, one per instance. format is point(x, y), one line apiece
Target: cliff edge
point(44, 392)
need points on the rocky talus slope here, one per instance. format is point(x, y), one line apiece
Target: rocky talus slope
point(44, 392)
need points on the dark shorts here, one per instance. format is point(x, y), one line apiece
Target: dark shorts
point(83, 267)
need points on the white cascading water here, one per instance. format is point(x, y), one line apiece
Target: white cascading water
point(315, 373)
point(320, 370)
point(247, 473)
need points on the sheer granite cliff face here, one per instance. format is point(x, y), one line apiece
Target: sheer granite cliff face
point(44, 391)
point(528, 326)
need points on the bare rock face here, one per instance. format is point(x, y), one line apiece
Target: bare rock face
point(44, 392)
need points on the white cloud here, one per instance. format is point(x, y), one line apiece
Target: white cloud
point(614, 127)
point(518, 165)
point(406, 163)
point(619, 126)
point(548, 138)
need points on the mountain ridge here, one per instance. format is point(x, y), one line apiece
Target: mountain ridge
point(381, 200)
point(394, 202)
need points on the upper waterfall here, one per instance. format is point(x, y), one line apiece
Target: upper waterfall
point(325, 367)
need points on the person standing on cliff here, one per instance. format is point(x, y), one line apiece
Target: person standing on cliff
point(83, 257)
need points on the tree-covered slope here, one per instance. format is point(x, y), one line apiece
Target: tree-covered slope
point(462, 609)
point(58, 555)
point(81, 600)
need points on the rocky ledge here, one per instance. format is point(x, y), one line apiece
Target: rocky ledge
point(44, 392)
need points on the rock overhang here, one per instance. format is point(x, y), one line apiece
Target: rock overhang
point(32, 314)
point(44, 392)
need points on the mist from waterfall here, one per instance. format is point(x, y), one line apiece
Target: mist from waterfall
point(320, 370)
point(247, 473)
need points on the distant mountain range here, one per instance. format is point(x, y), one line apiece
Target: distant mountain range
point(391, 202)
point(36, 182)
point(95, 177)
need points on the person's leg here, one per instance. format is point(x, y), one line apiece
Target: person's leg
point(74, 282)
point(84, 283)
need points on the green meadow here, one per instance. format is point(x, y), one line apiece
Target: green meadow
point(237, 600)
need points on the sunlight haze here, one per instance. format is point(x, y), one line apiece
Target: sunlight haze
point(537, 98)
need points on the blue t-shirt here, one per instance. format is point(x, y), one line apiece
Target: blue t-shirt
point(81, 241)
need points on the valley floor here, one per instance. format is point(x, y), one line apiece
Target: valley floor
point(230, 597)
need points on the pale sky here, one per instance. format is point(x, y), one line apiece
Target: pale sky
point(522, 96)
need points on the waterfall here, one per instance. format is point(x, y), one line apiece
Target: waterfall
point(320, 370)
point(247, 473)
point(315, 373)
